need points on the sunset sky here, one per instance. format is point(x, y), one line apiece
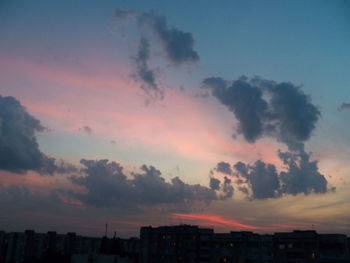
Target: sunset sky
point(228, 114)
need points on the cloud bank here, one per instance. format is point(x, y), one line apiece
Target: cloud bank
point(262, 180)
point(107, 184)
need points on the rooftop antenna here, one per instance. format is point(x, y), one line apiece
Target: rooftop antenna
point(115, 234)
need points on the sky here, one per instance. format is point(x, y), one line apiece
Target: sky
point(233, 115)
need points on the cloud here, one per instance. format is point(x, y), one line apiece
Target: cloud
point(301, 175)
point(279, 110)
point(106, 184)
point(122, 15)
point(266, 108)
point(261, 178)
point(146, 75)
point(14, 192)
point(177, 44)
point(225, 188)
point(63, 167)
point(16, 199)
point(293, 112)
point(214, 183)
point(86, 129)
point(19, 149)
point(223, 167)
point(245, 101)
point(344, 106)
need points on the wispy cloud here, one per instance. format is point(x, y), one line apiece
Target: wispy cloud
point(344, 106)
point(177, 46)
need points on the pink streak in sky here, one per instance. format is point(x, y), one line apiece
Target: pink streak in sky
point(215, 219)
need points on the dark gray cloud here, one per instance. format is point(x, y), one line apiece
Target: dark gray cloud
point(223, 167)
point(245, 101)
point(63, 167)
point(143, 73)
point(15, 199)
point(14, 192)
point(344, 106)
point(261, 178)
point(301, 175)
point(214, 183)
point(282, 111)
point(19, 149)
point(177, 44)
point(292, 113)
point(86, 129)
point(107, 185)
point(22, 206)
point(225, 188)
point(266, 108)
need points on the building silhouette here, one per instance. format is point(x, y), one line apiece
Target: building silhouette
point(170, 244)
point(184, 243)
